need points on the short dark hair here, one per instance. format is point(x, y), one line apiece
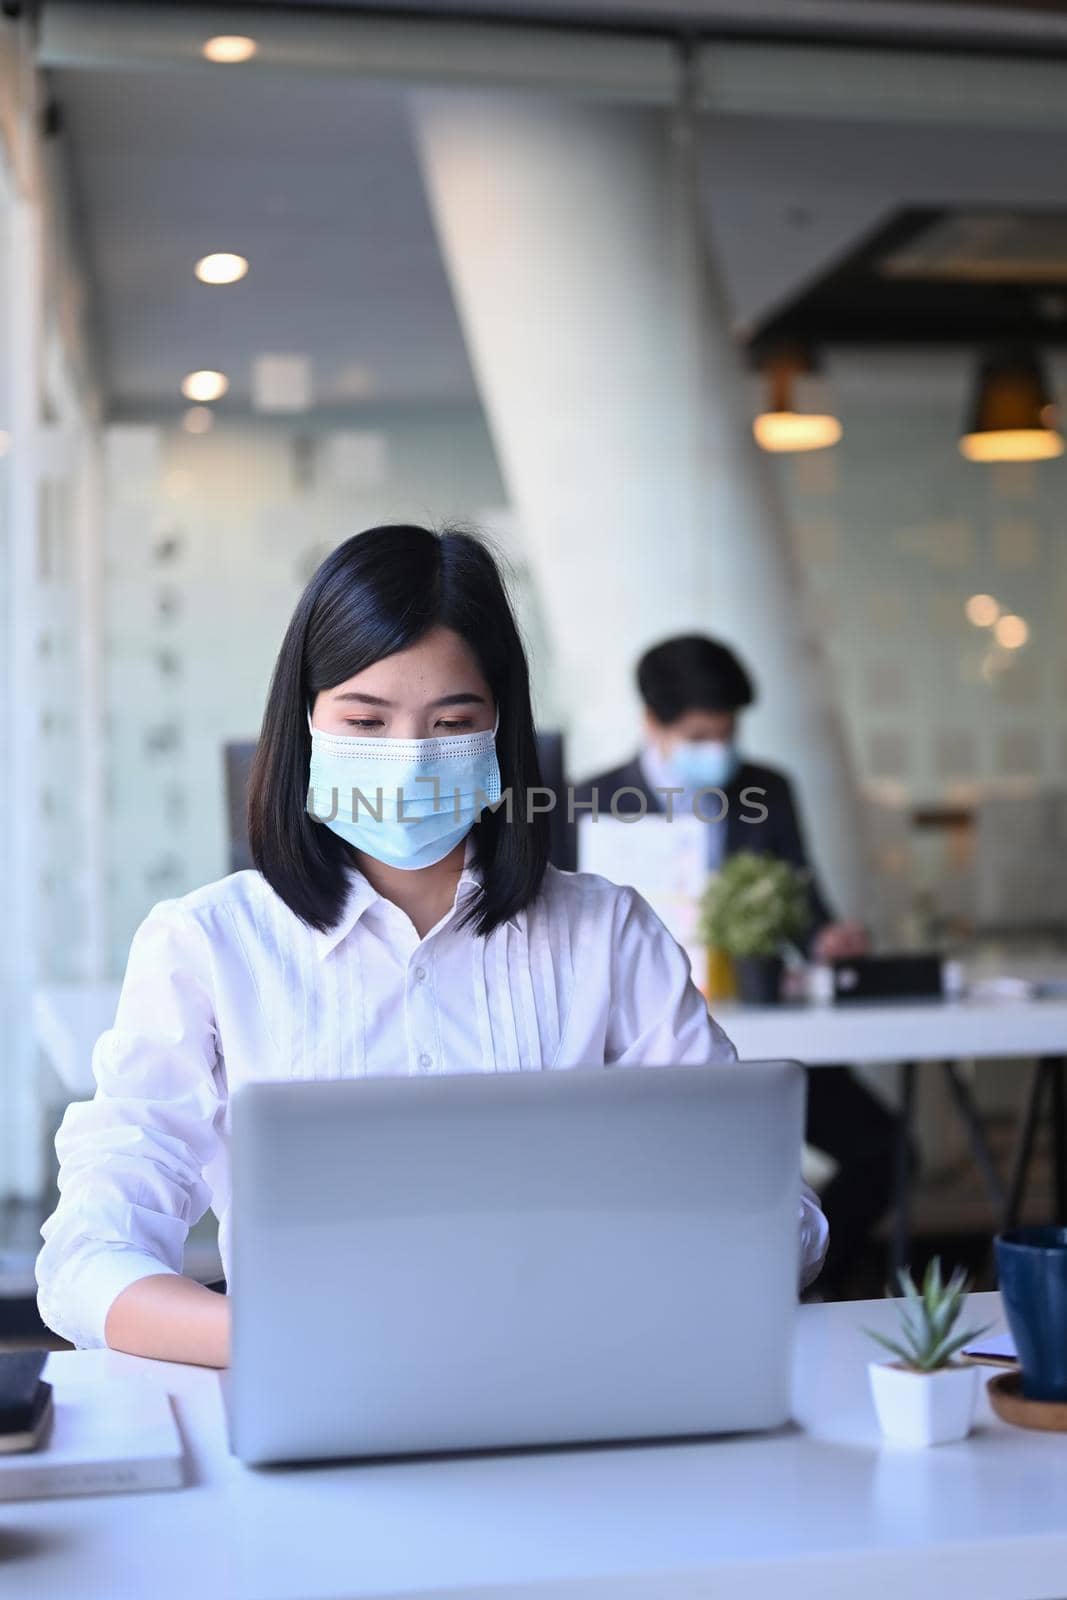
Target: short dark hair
point(377, 593)
point(692, 673)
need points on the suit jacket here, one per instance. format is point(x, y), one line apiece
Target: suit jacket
point(778, 834)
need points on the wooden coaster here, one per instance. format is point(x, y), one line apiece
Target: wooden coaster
point(1011, 1405)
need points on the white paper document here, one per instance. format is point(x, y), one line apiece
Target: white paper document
point(992, 1347)
point(664, 860)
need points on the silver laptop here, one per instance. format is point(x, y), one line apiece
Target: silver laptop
point(455, 1263)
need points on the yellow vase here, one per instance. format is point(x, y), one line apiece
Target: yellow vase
point(721, 978)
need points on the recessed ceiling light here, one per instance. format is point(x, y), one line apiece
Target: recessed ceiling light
point(229, 48)
point(1011, 632)
point(982, 610)
point(205, 385)
point(221, 268)
point(198, 419)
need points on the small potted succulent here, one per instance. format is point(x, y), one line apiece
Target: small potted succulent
point(926, 1396)
point(753, 908)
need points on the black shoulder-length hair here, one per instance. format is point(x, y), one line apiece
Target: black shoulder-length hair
point(375, 594)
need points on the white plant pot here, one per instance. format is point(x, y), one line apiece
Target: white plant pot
point(922, 1408)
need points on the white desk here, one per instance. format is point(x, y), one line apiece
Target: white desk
point(905, 1030)
point(820, 1509)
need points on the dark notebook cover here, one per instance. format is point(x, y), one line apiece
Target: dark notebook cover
point(20, 1374)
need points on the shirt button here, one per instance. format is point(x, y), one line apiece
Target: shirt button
point(420, 974)
point(425, 1061)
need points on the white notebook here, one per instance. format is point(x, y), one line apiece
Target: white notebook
point(108, 1436)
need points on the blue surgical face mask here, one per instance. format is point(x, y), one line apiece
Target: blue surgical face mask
point(704, 763)
point(406, 802)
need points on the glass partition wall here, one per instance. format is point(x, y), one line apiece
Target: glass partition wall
point(50, 726)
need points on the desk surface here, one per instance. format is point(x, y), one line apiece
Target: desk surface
point(901, 1030)
point(820, 1507)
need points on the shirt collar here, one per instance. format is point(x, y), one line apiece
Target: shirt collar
point(361, 895)
point(470, 882)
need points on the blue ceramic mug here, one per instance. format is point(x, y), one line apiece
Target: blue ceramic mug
point(1032, 1266)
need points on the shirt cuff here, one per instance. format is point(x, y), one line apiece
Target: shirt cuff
point(814, 1236)
point(96, 1288)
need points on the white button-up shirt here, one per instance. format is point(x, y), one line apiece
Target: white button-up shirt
point(227, 984)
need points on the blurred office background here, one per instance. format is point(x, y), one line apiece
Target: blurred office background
point(495, 274)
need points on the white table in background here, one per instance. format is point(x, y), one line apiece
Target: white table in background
point(897, 1030)
point(904, 1033)
point(818, 1509)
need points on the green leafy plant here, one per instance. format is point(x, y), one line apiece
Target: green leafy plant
point(927, 1319)
point(754, 906)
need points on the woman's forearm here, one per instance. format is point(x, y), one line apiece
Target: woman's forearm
point(173, 1319)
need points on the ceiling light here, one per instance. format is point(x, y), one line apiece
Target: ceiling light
point(782, 431)
point(229, 48)
point(982, 610)
point(198, 419)
point(788, 424)
point(1013, 417)
point(1012, 444)
point(221, 268)
point(205, 386)
point(1011, 632)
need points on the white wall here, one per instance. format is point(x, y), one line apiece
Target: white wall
point(46, 531)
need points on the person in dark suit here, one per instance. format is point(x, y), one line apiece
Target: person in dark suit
point(694, 690)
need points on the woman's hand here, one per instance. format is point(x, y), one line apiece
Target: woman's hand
point(841, 941)
point(172, 1319)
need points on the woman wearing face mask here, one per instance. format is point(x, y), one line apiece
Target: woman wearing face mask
point(392, 925)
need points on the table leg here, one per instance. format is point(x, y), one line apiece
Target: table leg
point(900, 1247)
point(982, 1154)
point(1025, 1147)
point(1056, 1066)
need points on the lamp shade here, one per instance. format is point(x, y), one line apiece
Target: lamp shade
point(788, 424)
point(1012, 416)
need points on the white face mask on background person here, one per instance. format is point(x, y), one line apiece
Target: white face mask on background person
point(704, 763)
point(406, 802)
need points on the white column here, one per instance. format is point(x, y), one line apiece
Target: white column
point(20, 1159)
point(602, 351)
point(88, 518)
